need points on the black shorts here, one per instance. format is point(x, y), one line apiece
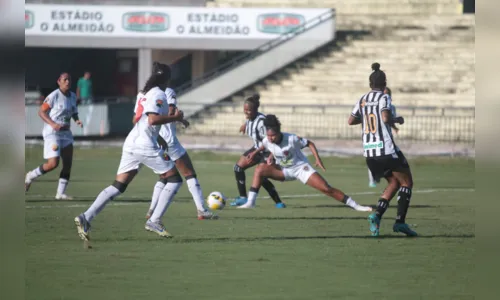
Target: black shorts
point(383, 166)
point(261, 157)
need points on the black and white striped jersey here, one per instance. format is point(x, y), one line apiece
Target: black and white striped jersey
point(376, 135)
point(256, 130)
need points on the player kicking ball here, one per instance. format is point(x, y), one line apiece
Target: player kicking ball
point(291, 164)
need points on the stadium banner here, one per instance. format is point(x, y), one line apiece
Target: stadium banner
point(163, 22)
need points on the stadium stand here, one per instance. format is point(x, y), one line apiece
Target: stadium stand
point(425, 47)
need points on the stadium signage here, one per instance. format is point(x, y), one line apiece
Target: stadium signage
point(104, 21)
point(81, 21)
point(145, 21)
point(29, 19)
point(213, 24)
point(279, 23)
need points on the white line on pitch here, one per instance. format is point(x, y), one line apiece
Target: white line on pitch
point(425, 191)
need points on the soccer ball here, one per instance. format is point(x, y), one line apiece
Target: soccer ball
point(216, 200)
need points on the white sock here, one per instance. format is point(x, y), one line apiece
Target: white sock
point(100, 202)
point(166, 197)
point(61, 187)
point(35, 173)
point(252, 197)
point(350, 202)
point(370, 177)
point(156, 194)
point(195, 190)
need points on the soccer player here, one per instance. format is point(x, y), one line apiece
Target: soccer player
point(176, 152)
point(372, 181)
point(383, 157)
point(254, 128)
point(141, 148)
point(57, 111)
point(291, 164)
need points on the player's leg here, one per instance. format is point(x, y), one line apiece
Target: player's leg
point(239, 173)
point(375, 218)
point(261, 172)
point(316, 181)
point(371, 179)
point(270, 188)
point(67, 162)
point(402, 173)
point(185, 167)
point(127, 170)
point(168, 172)
point(160, 184)
point(51, 152)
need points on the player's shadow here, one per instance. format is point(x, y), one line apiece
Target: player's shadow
point(319, 237)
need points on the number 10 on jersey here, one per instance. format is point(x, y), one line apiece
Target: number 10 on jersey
point(371, 123)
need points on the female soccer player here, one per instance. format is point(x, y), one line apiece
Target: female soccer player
point(57, 111)
point(141, 148)
point(254, 128)
point(176, 152)
point(372, 180)
point(291, 164)
point(383, 157)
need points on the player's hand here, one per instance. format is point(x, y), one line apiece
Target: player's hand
point(79, 123)
point(243, 128)
point(401, 120)
point(396, 130)
point(179, 114)
point(270, 160)
point(319, 164)
point(56, 127)
point(185, 123)
point(251, 156)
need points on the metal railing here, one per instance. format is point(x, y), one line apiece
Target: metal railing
point(423, 124)
point(247, 56)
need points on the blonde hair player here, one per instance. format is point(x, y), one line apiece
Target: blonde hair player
point(57, 111)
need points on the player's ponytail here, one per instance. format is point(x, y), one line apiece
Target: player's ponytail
point(273, 123)
point(160, 74)
point(254, 101)
point(377, 77)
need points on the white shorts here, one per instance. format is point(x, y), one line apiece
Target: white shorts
point(131, 161)
point(175, 151)
point(53, 144)
point(301, 172)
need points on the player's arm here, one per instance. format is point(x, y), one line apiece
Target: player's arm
point(43, 113)
point(355, 117)
point(77, 120)
point(243, 127)
point(254, 152)
point(389, 120)
point(154, 109)
point(314, 151)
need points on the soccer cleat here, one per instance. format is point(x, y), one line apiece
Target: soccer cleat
point(247, 205)
point(63, 197)
point(239, 201)
point(403, 228)
point(374, 221)
point(362, 208)
point(158, 228)
point(372, 184)
point(148, 215)
point(27, 182)
point(207, 215)
point(280, 205)
point(83, 227)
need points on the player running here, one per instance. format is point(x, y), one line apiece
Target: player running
point(254, 128)
point(291, 164)
point(141, 148)
point(176, 152)
point(57, 111)
point(372, 182)
point(383, 157)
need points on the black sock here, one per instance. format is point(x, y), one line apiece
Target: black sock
point(404, 197)
point(269, 187)
point(239, 173)
point(42, 171)
point(382, 206)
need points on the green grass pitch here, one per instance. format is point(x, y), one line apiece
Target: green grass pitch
point(314, 249)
